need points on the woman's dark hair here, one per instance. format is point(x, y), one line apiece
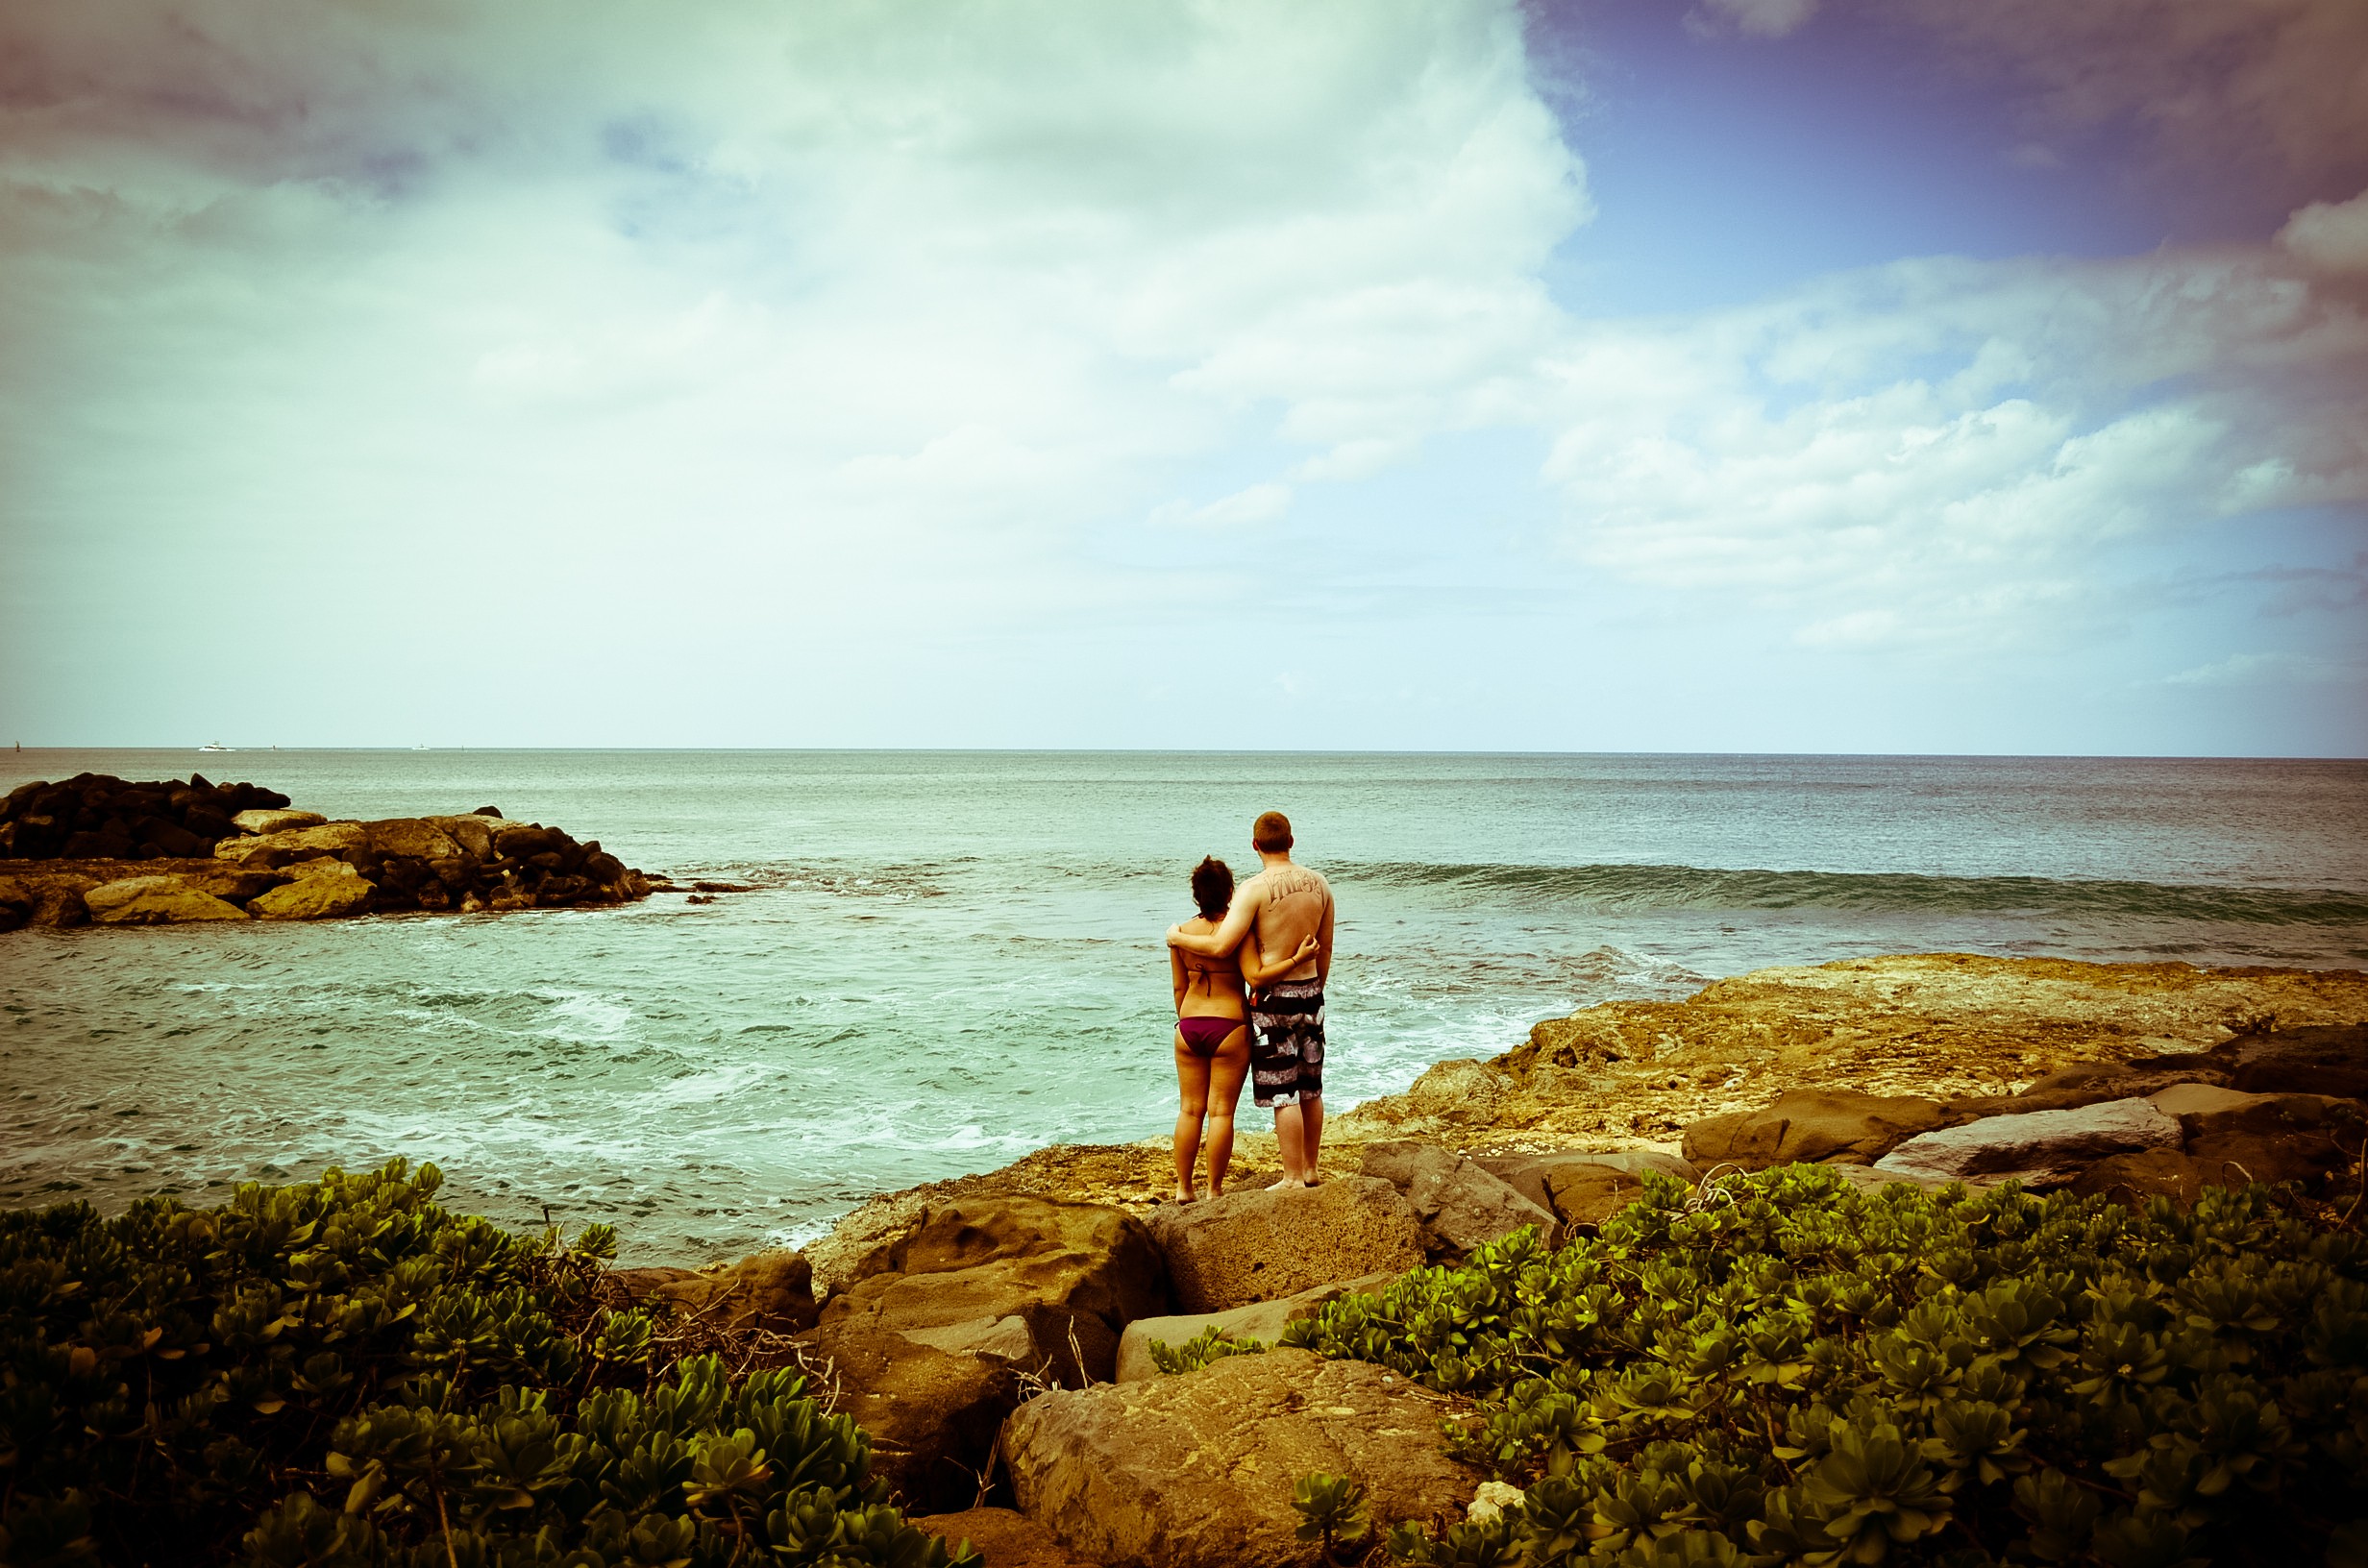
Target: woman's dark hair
point(1212, 886)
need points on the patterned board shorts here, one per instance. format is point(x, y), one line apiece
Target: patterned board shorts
point(1286, 1048)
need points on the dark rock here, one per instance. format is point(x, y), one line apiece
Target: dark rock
point(1528, 1173)
point(1001, 1537)
point(770, 1290)
point(523, 841)
point(2319, 1061)
point(207, 824)
point(486, 811)
point(2238, 1138)
point(1809, 1125)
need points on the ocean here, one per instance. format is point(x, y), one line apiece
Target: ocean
point(952, 958)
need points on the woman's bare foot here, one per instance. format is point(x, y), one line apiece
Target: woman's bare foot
point(1185, 1194)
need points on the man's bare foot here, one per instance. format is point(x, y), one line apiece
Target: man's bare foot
point(1287, 1183)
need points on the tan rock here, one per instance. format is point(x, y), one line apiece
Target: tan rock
point(1809, 1126)
point(258, 822)
point(413, 836)
point(1069, 1272)
point(1529, 1174)
point(155, 900)
point(328, 839)
point(1263, 1321)
point(1195, 1471)
point(314, 898)
point(772, 1290)
point(1259, 1245)
point(1462, 1205)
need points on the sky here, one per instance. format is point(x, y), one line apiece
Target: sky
point(1861, 376)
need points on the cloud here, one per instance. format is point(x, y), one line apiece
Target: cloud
point(1258, 504)
point(2281, 669)
point(1754, 18)
point(2266, 95)
point(1952, 454)
point(2329, 236)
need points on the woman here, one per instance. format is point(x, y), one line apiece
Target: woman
point(1212, 1030)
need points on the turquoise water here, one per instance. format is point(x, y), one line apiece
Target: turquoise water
point(954, 958)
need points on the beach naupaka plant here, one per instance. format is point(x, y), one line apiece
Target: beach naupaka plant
point(1811, 1373)
point(343, 1374)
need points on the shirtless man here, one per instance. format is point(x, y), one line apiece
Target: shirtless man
point(1278, 909)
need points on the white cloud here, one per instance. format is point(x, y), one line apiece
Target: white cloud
point(2281, 669)
point(1258, 504)
point(2329, 236)
point(1757, 18)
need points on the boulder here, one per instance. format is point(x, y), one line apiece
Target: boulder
point(261, 821)
point(322, 839)
point(932, 1333)
point(1874, 1179)
point(1811, 1125)
point(1003, 1537)
point(318, 896)
point(1263, 1321)
point(771, 1290)
point(1067, 1272)
point(155, 900)
point(2131, 1179)
point(932, 1414)
point(233, 884)
point(411, 837)
point(2236, 1138)
point(1462, 1205)
point(474, 834)
point(1591, 1182)
point(2041, 1148)
point(1258, 1245)
point(2329, 1060)
point(1195, 1471)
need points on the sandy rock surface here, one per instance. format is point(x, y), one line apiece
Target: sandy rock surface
point(1005, 1538)
point(1462, 1205)
point(1263, 1321)
point(1194, 1471)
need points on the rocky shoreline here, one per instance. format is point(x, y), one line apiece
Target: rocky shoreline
point(98, 851)
point(994, 1334)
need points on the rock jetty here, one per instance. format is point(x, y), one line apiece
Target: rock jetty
point(99, 851)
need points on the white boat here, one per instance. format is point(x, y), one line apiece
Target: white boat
point(214, 745)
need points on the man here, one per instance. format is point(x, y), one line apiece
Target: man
point(1279, 909)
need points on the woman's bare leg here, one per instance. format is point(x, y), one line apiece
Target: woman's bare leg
point(1227, 1072)
point(1191, 1078)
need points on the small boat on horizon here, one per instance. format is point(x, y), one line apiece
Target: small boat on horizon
point(214, 745)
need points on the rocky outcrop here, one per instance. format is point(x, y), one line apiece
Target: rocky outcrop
point(1461, 1204)
point(933, 1330)
point(2039, 1148)
point(256, 859)
point(1195, 1471)
point(1586, 1189)
point(99, 817)
point(1811, 1126)
point(1263, 1321)
point(1260, 1245)
point(1942, 1026)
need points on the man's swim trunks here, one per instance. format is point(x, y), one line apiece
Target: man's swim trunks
point(1286, 1053)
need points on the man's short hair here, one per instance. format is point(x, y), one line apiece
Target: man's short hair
point(1270, 834)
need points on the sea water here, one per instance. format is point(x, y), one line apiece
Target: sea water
point(953, 958)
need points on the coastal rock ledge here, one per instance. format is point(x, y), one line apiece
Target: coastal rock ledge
point(98, 851)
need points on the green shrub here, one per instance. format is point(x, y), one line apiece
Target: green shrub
point(342, 1373)
point(1331, 1510)
point(1210, 1344)
point(1786, 1369)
